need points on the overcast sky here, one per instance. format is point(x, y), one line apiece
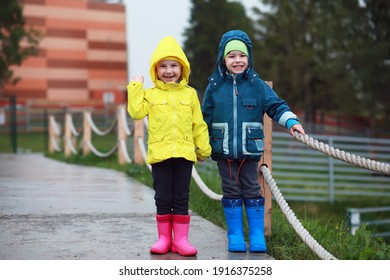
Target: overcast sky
point(150, 21)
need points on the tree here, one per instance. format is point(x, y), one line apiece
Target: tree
point(209, 21)
point(368, 38)
point(327, 55)
point(298, 50)
point(16, 41)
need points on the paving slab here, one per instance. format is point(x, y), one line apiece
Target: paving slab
point(50, 210)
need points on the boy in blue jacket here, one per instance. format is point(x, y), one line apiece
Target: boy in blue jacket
point(233, 107)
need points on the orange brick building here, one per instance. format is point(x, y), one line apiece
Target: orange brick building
point(83, 53)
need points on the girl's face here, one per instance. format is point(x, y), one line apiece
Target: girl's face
point(236, 62)
point(168, 71)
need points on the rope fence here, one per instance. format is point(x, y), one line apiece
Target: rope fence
point(123, 132)
point(292, 219)
point(71, 136)
point(355, 160)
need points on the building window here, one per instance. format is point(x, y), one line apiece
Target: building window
point(108, 97)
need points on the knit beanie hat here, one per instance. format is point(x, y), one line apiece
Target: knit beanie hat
point(235, 45)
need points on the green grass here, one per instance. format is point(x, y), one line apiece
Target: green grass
point(328, 224)
point(26, 142)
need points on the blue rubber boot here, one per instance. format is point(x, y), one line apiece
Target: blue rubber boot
point(233, 214)
point(255, 214)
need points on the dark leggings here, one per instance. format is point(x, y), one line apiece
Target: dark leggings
point(171, 183)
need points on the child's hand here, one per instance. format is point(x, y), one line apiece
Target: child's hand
point(298, 128)
point(137, 79)
point(200, 158)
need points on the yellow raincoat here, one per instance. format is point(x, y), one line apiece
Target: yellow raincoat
point(175, 122)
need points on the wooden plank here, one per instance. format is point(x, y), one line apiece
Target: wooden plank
point(267, 160)
point(138, 133)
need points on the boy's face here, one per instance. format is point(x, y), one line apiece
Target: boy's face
point(236, 62)
point(168, 71)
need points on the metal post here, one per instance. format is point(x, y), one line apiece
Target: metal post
point(331, 174)
point(354, 220)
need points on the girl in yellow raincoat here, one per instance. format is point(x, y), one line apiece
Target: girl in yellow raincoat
point(177, 138)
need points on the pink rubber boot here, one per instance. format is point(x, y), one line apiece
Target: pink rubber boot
point(164, 228)
point(180, 244)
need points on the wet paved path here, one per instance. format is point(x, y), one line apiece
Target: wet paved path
point(50, 210)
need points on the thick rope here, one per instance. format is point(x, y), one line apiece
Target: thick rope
point(342, 155)
point(56, 126)
point(125, 152)
point(71, 146)
point(204, 187)
point(141, 144)
point(124, 121)
point(73, 128)
point(100, 154)
point(57, 132)
point(296, 224)
point(56, 146)
point(98, 131)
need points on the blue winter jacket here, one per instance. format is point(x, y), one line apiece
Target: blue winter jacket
point(234, 105)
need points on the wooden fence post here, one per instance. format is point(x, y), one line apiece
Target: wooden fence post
point(138, 133)
point(267, 160)
point(122, 137)
point(52, 134)
point(68, 135)
point(87, 135)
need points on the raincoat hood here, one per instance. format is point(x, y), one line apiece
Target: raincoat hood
point(169, 48)
point(228, 36)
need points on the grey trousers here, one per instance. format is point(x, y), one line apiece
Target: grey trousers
point(239, 178)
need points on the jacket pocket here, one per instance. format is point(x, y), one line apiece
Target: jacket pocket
point(155, 138)
point(184, 108)
point(159, 107)
point(253, 138)
point(249, 103)
point(188, 138)
point(219, 138)
point(185, 105)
